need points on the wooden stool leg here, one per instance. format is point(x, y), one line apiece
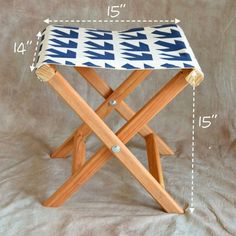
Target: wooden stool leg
point(125, 111)
point(158, 102)
point(104, 109)
point(79, 153)
point(154, 160)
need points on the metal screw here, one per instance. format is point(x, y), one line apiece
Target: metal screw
point(112, 102)
point(115, 148)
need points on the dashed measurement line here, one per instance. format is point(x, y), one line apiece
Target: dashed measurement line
point(32, 67)
point(176, 21)
point(193, 152)
point(35, 51)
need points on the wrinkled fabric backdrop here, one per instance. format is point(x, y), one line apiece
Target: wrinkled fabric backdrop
point(34, 120)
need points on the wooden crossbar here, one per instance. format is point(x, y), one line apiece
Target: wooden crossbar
point(154, 161)
point(144, 115)
point(104, 109)
point(124, 110)
point(79, 152)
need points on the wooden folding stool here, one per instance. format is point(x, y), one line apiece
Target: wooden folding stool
point(140, 50)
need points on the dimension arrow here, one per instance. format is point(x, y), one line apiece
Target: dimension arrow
point(33, 65)
point(47, 21)
point(191, 209)
point(193, 153)
point(39, 35)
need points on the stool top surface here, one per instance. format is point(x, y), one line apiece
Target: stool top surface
point(157, 47)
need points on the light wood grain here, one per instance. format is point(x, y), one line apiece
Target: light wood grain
point(155, 105)
point(124, 110)
point(154, 161)
point(103, 110)
point(176, 85)
point(79, 152)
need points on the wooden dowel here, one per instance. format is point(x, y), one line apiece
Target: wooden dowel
point(79, 153)
point(154, 160)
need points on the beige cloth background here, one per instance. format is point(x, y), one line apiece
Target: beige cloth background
point(34, 119)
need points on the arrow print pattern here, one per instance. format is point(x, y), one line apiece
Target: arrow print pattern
point(159, 47)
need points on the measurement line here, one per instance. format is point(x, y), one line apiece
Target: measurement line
point(33, 65)
point(193, 153)
point(176, 21)
point(35, 50)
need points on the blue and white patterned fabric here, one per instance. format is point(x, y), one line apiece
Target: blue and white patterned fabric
point(157, 47)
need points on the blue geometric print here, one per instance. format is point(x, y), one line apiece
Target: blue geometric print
point(106, 46)
point(58, 43)
point(98, 56)
point(137, 36)
point(99, 35)
point(159, 47)
point(131, 47)
point(167, 35)
point(60, 54)
point(178, 45)
point(136, 57)
point(60, 34)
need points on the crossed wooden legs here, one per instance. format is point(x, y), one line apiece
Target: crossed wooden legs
point(126, 112)
point(111, 140)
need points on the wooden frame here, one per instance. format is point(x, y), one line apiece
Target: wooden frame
point(114, 144)
point(126, 112)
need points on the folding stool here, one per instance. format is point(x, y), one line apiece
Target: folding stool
point(140, 50)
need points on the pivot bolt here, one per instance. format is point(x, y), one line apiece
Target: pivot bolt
point(115, 148)
point(112, 102)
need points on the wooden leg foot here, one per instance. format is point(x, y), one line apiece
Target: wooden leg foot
point(78, 178)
